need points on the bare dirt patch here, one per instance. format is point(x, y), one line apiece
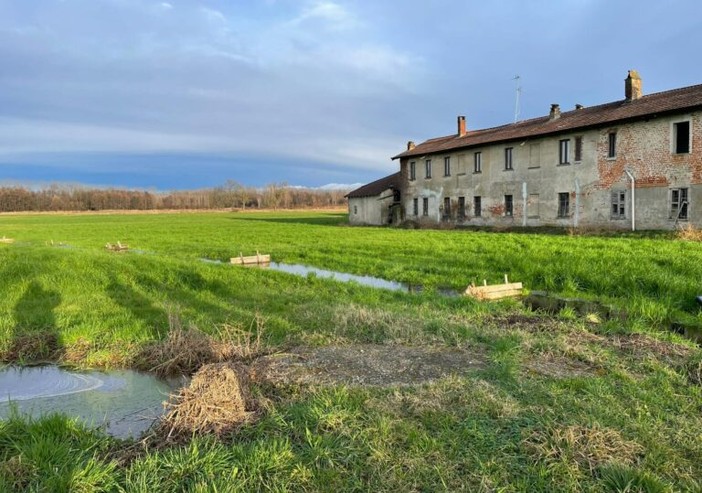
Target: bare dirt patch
point(559, 366)
point(643, 346)
point(368, 364)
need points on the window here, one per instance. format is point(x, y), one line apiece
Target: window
point(355, 209)
point(461, 207)
point(427, 168)
point(508, 158)
point(477, 206)
point(535, 155)
point(447, 166)
point(618, 204)
point(563, 204)
point(447, 206)
point(681, 137)
point(612, 145)
point(563, 151)
point(578, 149)
point(413, 171)
point(425, 206)
point(678, 203)
point(509, 205)
point(415, 206)
point(533, 205)
point(478, 162)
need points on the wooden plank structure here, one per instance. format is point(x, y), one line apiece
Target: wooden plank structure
point(6, 240)
point(118, 247)
point(495, 291)
point(257, 259)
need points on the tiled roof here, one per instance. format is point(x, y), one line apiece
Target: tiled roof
point(675, 101)
point(377, 187)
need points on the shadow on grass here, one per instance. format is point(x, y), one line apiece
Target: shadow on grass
point(325, 220)
point(35, 335)
point(140, 306)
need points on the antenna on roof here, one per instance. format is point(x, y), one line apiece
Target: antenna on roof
point(517, 82)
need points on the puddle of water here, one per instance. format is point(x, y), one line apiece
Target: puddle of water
point(125, 402)
point(374, 282)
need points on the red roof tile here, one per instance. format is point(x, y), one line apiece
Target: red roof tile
point(674, 101)
point(377, 187)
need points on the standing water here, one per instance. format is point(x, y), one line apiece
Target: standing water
point(124, 402)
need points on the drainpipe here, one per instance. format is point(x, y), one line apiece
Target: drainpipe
point(524, 201)
point(577, 203)
point(633, 199)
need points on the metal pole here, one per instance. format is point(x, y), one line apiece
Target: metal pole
point(633, 199)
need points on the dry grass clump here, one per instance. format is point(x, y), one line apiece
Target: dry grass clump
point(186, 350)
point(217, 401)
point(689, 233)
point(693, 369)
point(588, 446)
point(643, 346)
point(34, 347)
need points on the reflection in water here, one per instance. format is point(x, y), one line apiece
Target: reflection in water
point(125, 402)
point(374, 282)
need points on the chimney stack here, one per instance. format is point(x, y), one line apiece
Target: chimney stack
point(461, 126)
point(632, 86)
point(579, 106)
point(555, 112)
point(410, 145)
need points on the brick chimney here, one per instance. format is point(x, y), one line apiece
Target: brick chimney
point(410, 145)
point(461, 126)
point(555, 112)
point(632, 86)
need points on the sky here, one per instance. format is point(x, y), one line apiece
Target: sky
point(183, 94)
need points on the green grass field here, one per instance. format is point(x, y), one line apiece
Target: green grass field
point(561, 405)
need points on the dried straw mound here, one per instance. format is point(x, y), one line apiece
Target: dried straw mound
point(689, 233)
point(217, 401)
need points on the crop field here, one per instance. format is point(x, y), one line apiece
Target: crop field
point(549, 402)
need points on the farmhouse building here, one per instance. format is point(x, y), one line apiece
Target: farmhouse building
point(376, 202)
point(632, 163)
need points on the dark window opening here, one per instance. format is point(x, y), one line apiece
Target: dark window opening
point(509, 205)
point(413, 171)
point(478, 162)
point(618, 204)
point(678, 203)
point(415, 206)
point(425, 206)
point(563, 204)
point(563, 151)
point(447, 207)
point(396, 196)
point(355, 209)
point(682, 137)
point(477, 206)
point(461, 207)
point(578, 149)
point(508, 158)
point(427, 168)
point(612, 145)
point(447, 166)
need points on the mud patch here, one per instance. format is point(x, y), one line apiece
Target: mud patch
point(557, 366)
point(643, 346)
point(533, 324)
point(371, 365)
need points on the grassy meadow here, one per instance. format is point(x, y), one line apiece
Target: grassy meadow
point(562, 404)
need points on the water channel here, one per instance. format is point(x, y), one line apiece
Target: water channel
point(373, 282)
point(124, 402)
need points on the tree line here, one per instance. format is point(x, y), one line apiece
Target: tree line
point(230, 195)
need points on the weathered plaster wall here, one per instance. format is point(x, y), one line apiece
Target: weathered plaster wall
point(371, 210)
point(644, 147)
